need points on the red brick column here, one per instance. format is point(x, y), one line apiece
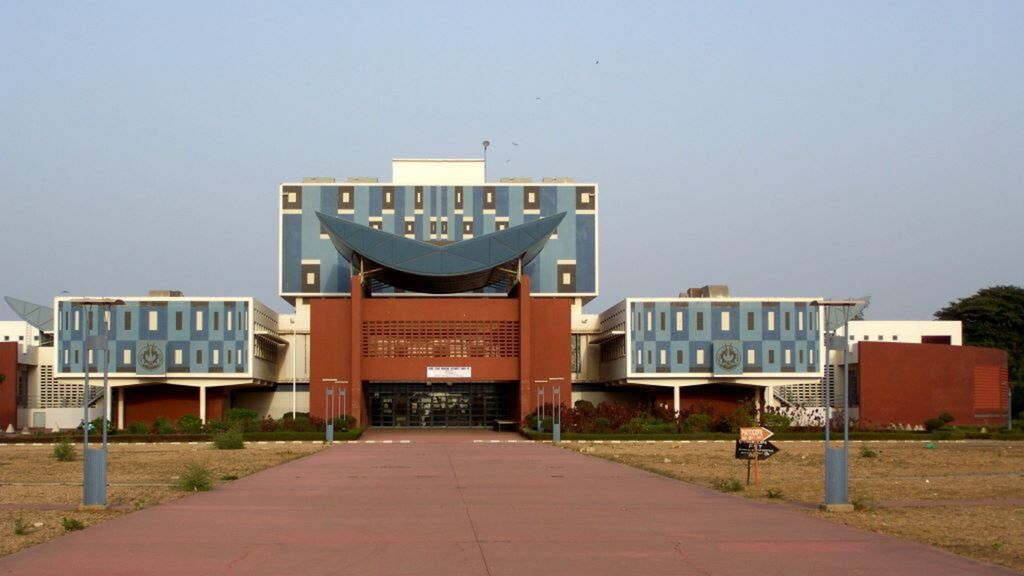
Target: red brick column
point(526, 393)
point(355, 380)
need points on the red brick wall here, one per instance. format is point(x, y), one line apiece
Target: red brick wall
point(9, 387)
point(336, 352)
point(910, 383)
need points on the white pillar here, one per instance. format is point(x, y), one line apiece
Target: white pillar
point(106, 406)
point(120, 408)
point(675, 399)
point(202, 403)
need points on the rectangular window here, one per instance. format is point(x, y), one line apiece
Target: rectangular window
point(106, 319)
point(662, 319)
point(771, 356)
point(640, 357)
point(771, 320)
point(810, 356)
point(126, 356)
point(751, 356)
point(750, 320)
point(566, 278)
point(127, 320)
point(649, 361)
point(663, 356)
point(89, 357)
point(89, 322)
point(199, 320)
point(238, 354)
point(679, 321)
point(679, 356)
point(216, 320)
point(650, 321)
point(725, 321)
point(787, 321)
point(153, 320)
point(700, 356)
point(800, 356)
point(788, 356)
point(216, 353)
point(178, 357)
point(78, 314)
point(700, 321)
point(179, 320)
point(799, 320)
point(76, 356)
point(199, 356)
point(228, 317)
point(66, 355)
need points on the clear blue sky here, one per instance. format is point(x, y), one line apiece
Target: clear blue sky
point(783, 148)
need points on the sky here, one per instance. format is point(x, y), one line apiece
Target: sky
point(817, 149)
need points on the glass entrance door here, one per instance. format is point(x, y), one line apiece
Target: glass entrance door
point(439, 405)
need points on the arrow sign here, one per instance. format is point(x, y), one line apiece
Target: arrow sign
point(755, 435)
point(745, 450)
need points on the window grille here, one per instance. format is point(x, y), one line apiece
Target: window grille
point(441, 339)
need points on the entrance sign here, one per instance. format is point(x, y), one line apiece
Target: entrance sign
point(449, 371)
point(755, 435)
point(746, 451)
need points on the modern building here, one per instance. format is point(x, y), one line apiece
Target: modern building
point(435, 299)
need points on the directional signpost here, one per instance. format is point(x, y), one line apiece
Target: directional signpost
point(753, 445)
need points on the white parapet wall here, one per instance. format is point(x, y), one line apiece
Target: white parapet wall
point(49, 418)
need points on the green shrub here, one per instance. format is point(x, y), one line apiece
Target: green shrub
point(697, 422)
point(190, 424)
point(933, 424)
point(549, 424)
point(293, 415)
point(861, 503)
point(138, 428)
point(777, 422)
point(20, 526)
point(723, 485)
point(163, 426)
point(602, 425)
point(585, 406)
point(300, 424)
point(531, 421)
point(342, 423)
point(64, 450)
point(744, 415)
point(71, 524)
point(946, 417)
point(774, 493)
point(229, 440)
point(215, 426)
point(866, 452)
point(195, 478)
point(236, 414)
point(97, 426)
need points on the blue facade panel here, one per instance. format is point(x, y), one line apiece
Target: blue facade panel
point(302, 245)
point(156, 337)
point(725, 338)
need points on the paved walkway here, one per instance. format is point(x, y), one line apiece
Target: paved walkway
point(444, 504)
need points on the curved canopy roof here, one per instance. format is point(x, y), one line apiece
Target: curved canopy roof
point(419, 266)
point(35, 314)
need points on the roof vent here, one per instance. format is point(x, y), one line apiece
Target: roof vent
point(166, 293)
point(558, 180)
point(516, 179)
point(715, 291)
point(318, 180)
point(362, 179)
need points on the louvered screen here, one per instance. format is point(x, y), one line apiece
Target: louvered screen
point(989, 390)
point(441, 339)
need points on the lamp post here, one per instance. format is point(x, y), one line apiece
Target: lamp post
point(837, 459)
point(295, 354)
point(540, 405)
point(556, 416)
point(329, 405)
point(94, 460)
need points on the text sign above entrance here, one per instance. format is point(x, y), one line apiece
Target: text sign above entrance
point(449, 372)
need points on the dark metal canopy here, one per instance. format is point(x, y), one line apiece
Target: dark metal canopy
point(492, 259)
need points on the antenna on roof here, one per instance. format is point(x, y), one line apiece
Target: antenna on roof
point(486, 144)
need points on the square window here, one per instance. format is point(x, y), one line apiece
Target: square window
point(895, 337)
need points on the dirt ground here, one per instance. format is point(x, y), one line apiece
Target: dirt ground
point(40, 491)
point(966, 497)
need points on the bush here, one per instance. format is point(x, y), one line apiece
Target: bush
point(549, 424)
point(933, 424)
point(20, 526)
point(531, 421)
point(71, 524)
point(195, 478)
point(138, 427)
point(342, 423)
point(215, 426)
point(97, 426)
point(602, 425)
point(697, 422)
point(744, 415)
point(723, 485)
point(268, 424)
point(229, 440)
point(866, 452)
point(585, 407)
point(292, 415)
point(946, 417)
point(774, 493)
point(300, 424)
point(190, 424)
point(776, 422)
point(242, 414)
point(64, 451)
point(163, 426)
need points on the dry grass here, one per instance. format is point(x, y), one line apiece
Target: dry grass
point(139, 476)
point(966, 497)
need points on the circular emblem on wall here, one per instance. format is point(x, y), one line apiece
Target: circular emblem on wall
point(151, 357)
point(728, 357)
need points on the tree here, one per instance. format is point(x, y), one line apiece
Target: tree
point(994, 317)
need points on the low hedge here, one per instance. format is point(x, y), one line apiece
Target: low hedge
point(95, 439)
point(949, 434)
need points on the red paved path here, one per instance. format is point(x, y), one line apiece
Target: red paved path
point(445, 505)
